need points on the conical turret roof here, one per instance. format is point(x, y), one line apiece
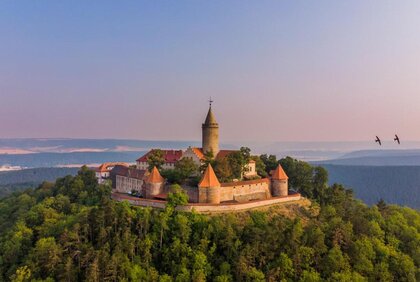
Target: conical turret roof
point(155, 177)
point(209, 178)
point(279, 173)
point(210, 119)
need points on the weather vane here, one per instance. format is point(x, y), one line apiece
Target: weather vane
point(210, 102)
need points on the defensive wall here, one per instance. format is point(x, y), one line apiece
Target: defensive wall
point(208, 208)
point(245, 191)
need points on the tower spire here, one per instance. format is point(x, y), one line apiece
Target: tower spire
point(210, 133)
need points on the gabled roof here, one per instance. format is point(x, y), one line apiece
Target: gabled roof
point(105, 167)
point(128, 172)
point(222, 153)
point(198, 152)
point(209, 178)
point(155, 177)
point(279, 173)
point(170, 156)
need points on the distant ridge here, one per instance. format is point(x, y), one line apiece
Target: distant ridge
point(377, 158)
point(381, 153)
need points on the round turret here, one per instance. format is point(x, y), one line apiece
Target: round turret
point(279, 182)
point(209, 187)
point(154, 184)
point(279, 187)
point(213, 195)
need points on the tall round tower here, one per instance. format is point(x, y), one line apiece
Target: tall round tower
point(210, 134)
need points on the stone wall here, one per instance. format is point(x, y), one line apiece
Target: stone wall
point(152, 189)
point(226, 194)
point(244, 191)
point(126, 184)
point(209, 208)
point(192, 193)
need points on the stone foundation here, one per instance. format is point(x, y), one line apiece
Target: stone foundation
point(209, 208)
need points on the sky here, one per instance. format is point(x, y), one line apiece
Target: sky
point(276, 70)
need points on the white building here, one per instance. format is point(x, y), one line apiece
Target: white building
point(102, 173)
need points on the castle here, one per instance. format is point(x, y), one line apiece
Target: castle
point(152, 186)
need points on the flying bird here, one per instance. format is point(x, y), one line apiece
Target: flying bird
point(397, 139)
point(378, 140)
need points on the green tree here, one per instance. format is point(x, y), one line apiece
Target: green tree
point(46, 256)
point(23, 274)
point(209, 158)
point(172, 176)
point(363, 256)
point(335, 262)
point(254, 275)
point(310, 276)
point(282, 269)
point(238, 160)
point(186, 167)
point(223, 170)
point(260, 166)
point(270, 162)
point(156, 158)
point(201, 268)
point(300, 175)
point(177, 196)
point(319, 182)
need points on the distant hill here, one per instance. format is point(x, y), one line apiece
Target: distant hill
point(63, 145)
point(11, 181)
point(377, 158)
point(60, 159)
point(395, 184)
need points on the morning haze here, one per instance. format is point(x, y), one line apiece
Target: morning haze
point(325, 70)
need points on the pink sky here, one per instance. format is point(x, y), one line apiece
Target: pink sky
point(290, 71)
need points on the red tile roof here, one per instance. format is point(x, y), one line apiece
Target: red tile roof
point(209, 178)
point(155, 176)
point(170, 156)
point(222, 153)
point(105, 167)
point(279, 173)
point(162, 196)
point(198, 152)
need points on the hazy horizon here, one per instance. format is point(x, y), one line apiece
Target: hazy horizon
point(325, 71)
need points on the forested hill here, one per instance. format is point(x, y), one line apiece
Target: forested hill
point(73, 231)
point(395, 184)
point(11, 181)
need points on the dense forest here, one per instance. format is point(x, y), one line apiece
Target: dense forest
point(71, 230)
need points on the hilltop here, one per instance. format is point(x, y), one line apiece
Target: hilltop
point(71, 230)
